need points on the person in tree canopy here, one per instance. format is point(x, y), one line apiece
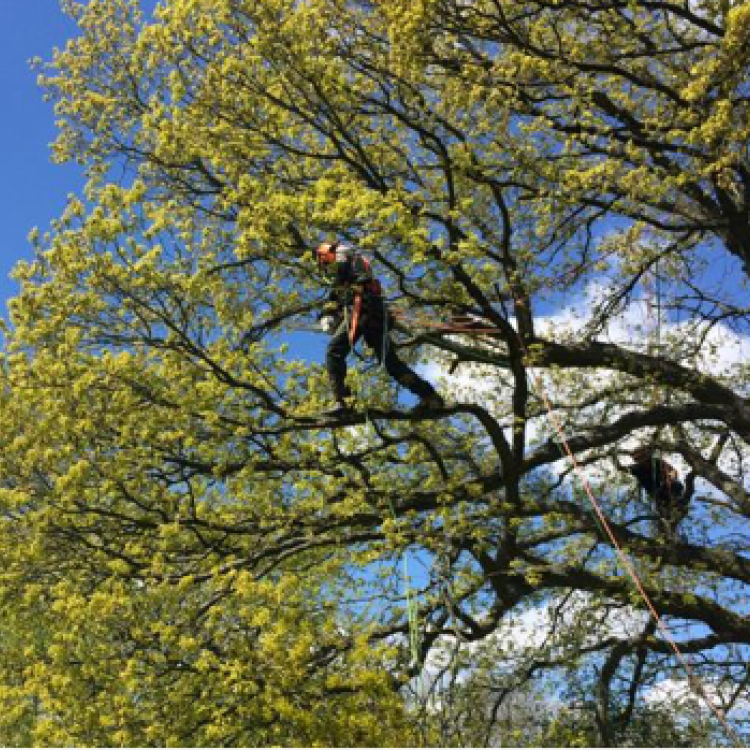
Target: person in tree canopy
point(659, 480)
point(356, 308)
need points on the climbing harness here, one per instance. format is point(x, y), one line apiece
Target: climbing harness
point(356, 313)
point(365, 294)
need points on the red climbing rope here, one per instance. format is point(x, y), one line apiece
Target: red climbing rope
point(693, 681)
point(452, 326)
point(476, 327)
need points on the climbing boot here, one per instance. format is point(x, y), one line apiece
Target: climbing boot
point(428, 404)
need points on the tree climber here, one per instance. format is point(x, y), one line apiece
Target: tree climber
point(356, 308)
point(659, 480)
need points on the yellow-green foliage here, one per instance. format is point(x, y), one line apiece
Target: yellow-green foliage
point(186, 556)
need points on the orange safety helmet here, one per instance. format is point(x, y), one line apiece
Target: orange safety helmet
point(326, 253)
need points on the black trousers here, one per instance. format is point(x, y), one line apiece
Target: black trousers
point(372, 330)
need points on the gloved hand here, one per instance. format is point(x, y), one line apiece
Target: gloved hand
point(328, 323)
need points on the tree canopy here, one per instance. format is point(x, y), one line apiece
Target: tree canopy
point(192, 554)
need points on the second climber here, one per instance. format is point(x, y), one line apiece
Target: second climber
point(660, 481)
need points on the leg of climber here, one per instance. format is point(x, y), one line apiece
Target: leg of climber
point(379, 341)
point(336, 354)
point(671, 506)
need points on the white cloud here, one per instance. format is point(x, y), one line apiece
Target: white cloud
point(549, 627)
point(716, 350)
point(678, 691)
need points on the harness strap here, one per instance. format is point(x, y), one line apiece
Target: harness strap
point(356, 314)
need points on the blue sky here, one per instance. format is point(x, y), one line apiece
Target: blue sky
point(33, 190)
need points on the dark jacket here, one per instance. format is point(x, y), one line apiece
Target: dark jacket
point(658, 478)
